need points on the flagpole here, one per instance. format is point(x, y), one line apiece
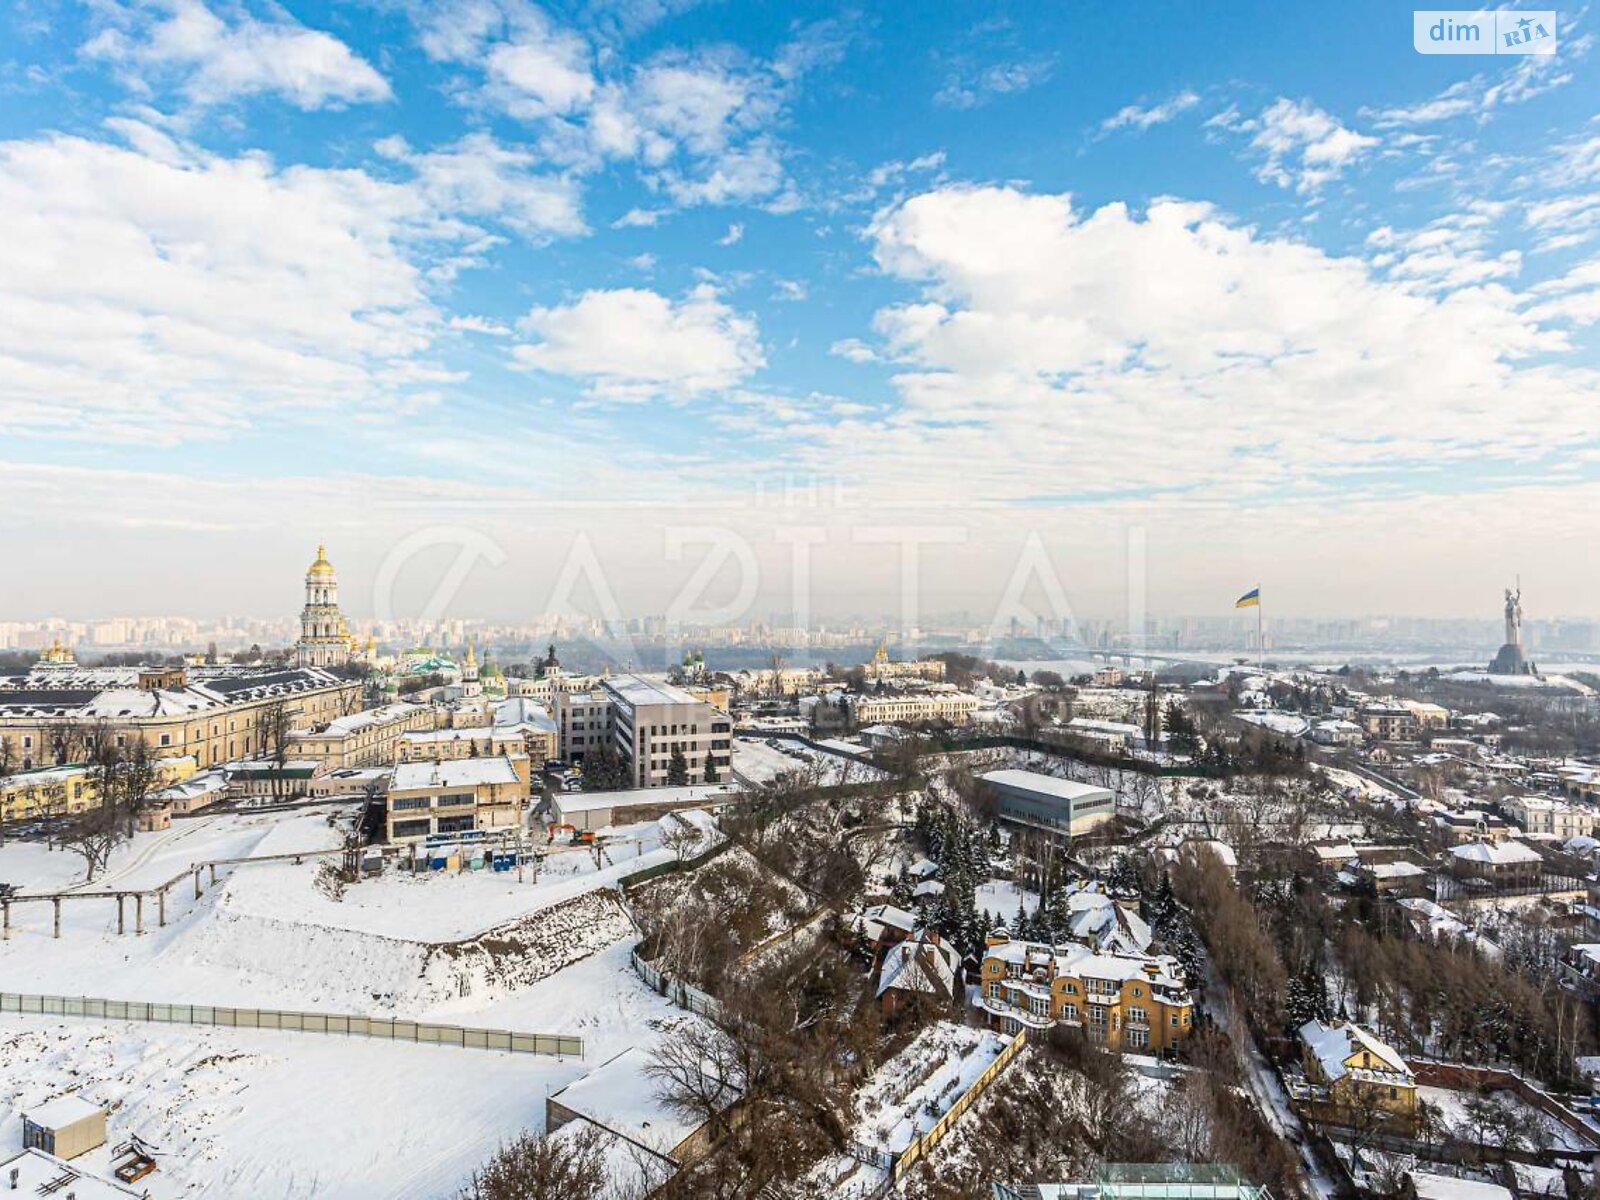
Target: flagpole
point(1261, 646)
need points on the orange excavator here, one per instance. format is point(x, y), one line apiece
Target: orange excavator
point(573, 835)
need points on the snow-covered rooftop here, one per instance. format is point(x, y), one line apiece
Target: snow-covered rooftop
point(1065, 789)
point(1394, 870)
point(636, 690)
point(1332, 1044)
point(1161, 970)
point(369, 719)
point(576, 802)
point(1498, 853)
point(622, 1096)
point(1448, 1187)
point(38, 1173)
point(920, 966)
point(63, 1111)
point(461, 772)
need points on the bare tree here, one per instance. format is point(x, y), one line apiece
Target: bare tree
point(92, 835)
point(67, 739)
point(698, 1072)
point(680, 837)
point(274, 724)
point(540, 1166)
point(136, 783)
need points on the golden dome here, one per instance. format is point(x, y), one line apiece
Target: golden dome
point(322, 568)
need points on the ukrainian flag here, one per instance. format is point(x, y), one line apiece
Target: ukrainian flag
point(1251, 599)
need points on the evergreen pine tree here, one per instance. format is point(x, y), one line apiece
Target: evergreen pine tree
point(677, 768)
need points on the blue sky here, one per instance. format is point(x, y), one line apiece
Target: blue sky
point(1268, 288)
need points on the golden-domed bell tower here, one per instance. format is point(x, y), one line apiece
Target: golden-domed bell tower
point(324, 635)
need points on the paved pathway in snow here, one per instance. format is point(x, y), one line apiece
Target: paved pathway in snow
point(1263, 1084)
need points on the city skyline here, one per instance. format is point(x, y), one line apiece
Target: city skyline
point(630, 282)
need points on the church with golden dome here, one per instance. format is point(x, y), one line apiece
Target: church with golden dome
point(325, 638)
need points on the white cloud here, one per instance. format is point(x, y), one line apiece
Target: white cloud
point(1180, 353)
point(164, 300)
point(895, 170)
point(468, 323)
point(792, 290)
point(974, 89)
point(479, 177)
point(1450, 252)
point(1573, 297)
point(632, 343)
point(853, 350)
point(699, 126)
point(158, 292)
point(1303, 146)
point(639, 218)
point(1133, 116)
point(212, 60)
point(734, 235)
point(541, 71)
point(1530, 75)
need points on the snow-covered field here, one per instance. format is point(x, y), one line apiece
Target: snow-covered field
point(1524, 682)
point(268, 936)
point(243, 1112)
point(149, 859)
point(1359, 786)
point(259, 1113)
point(445, 906)
point(266, 1113)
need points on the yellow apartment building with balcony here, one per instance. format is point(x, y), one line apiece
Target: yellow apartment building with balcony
point(1133, 1002)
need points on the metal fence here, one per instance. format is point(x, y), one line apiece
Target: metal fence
point(385, 1028)
point(927, 1141)
point(684, 995)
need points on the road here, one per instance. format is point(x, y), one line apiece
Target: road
point(1264, 1086)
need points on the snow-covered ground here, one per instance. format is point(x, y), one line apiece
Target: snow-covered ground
point(1452, 1109)
point(150, 859)
point(268, 936)
point(446, 906)
point(1358, 786)
point(240, 1112)
point(1523, 682)
point(237, 1112)
point(258, 1113)
point(1001, 897)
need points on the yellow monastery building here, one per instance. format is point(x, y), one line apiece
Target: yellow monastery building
point(212, 713)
